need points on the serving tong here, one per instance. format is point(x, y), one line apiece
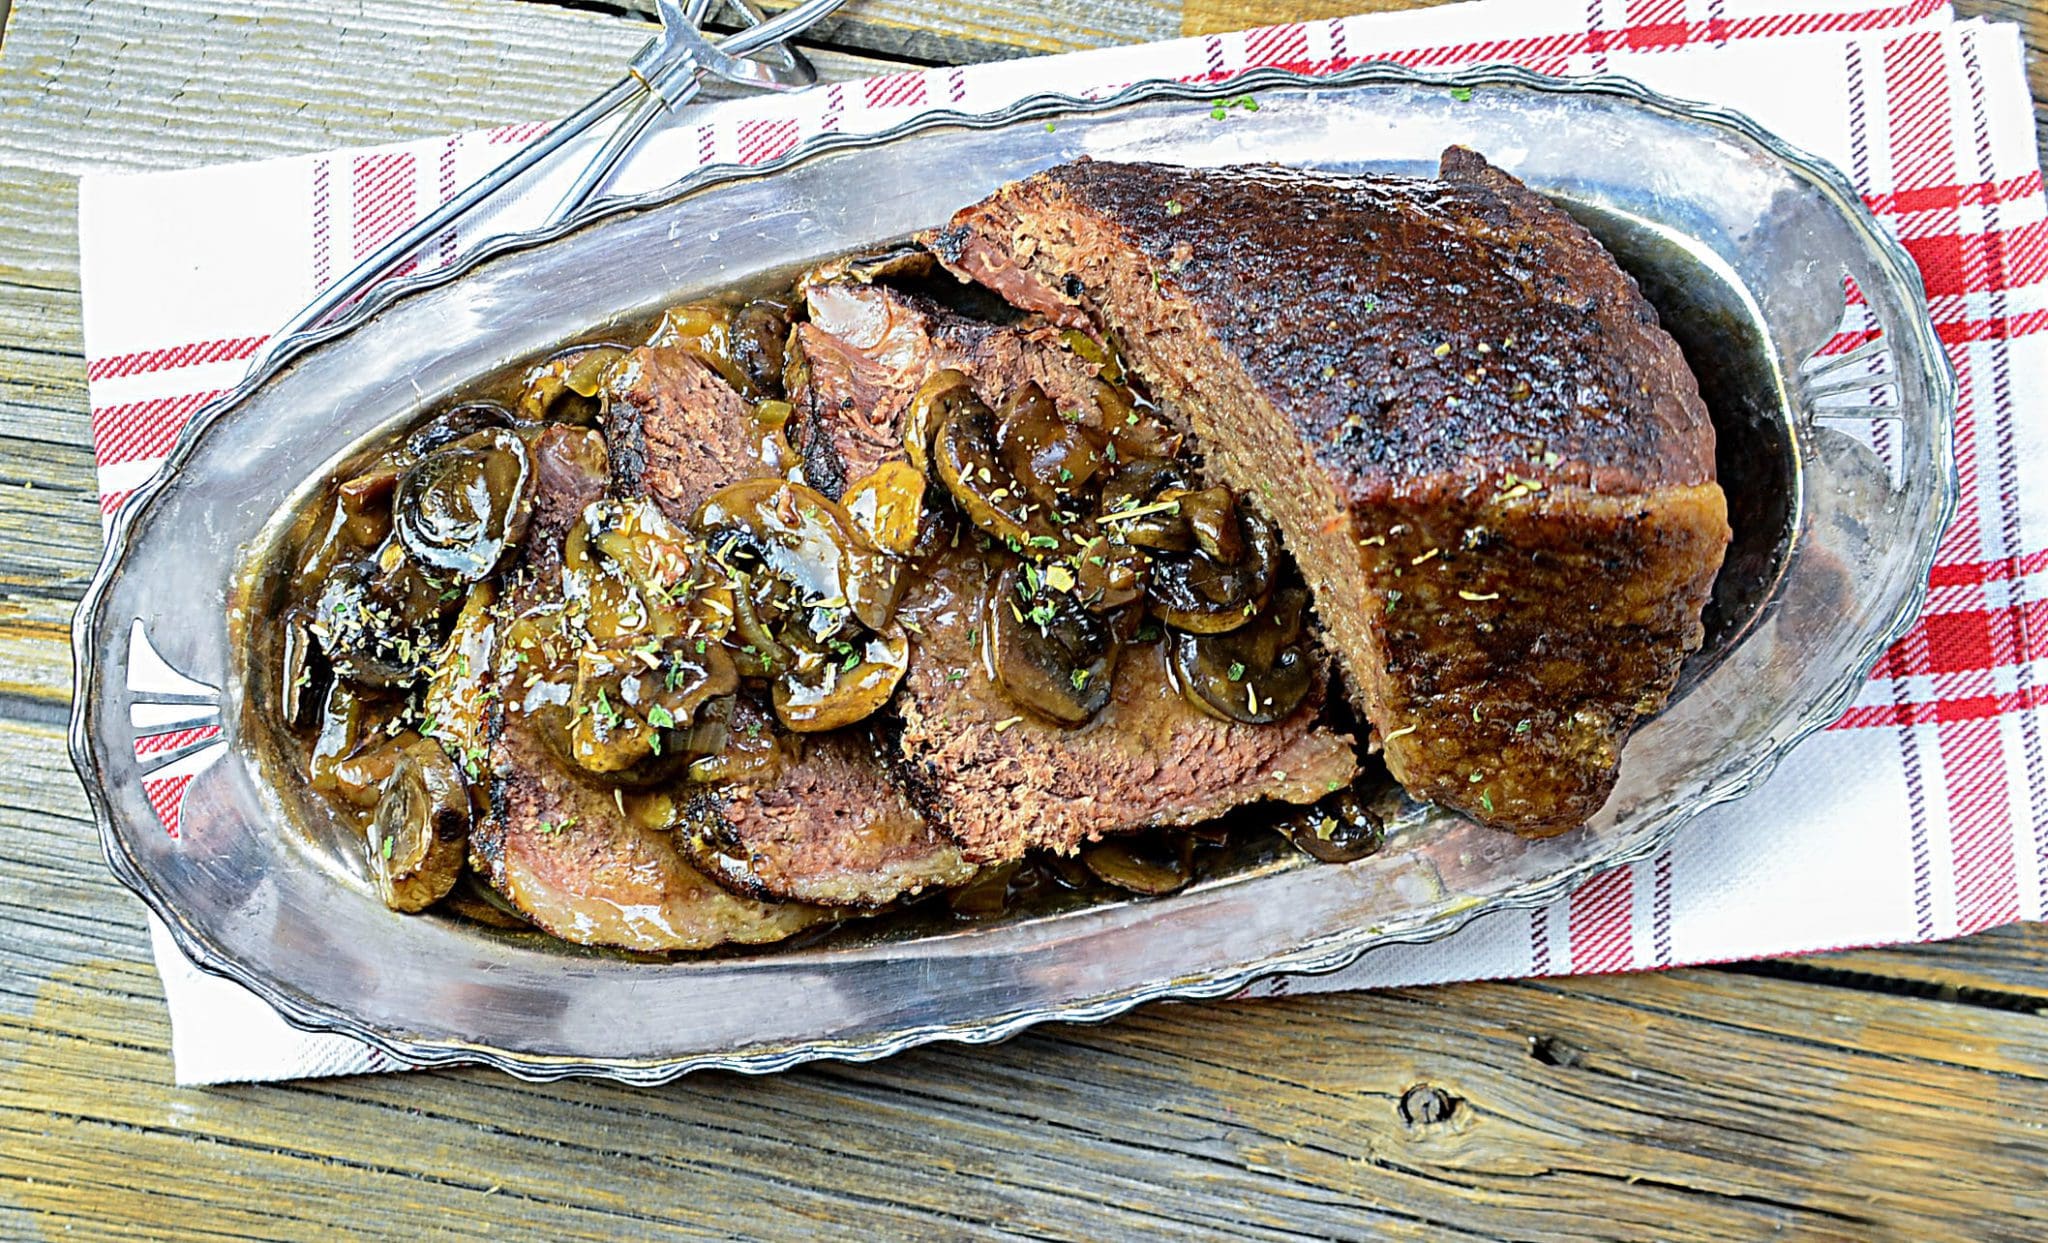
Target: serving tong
point(668, 72)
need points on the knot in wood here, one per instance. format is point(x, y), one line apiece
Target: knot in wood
point(1424, 1105)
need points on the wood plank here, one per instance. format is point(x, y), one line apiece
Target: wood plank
point(1684, 1106)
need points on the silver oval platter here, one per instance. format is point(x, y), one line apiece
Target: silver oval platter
point(1837, 465)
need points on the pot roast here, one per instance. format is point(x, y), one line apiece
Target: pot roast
point(1119, 504)
point(1489, 460)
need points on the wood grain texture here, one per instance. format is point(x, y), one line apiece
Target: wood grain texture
point(1875, 1095)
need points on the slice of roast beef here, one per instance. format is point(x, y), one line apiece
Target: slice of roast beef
point(866, 350)
point(827, 826)
point(1001, 781)
point(599, 870)
point(571, 469)
point(816, 818)
point(1489, 459)
point(582, 862)
point(677, 432)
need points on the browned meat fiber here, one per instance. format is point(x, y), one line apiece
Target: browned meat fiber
point(677, 432)
point(821, 821)
point(994, 778)
point(1489, 459)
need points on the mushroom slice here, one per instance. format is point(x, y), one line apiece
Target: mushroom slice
point(965, 458)
point(1258, 673)
point(1048, 654)
point(420, 833)
point(638, 714)
point(463, 508)
point(934, 401)
point(887, 506)
point(304, 675)
point(799, 549)
point(453, 424)
point(1153, 863)
point(1339, 829)
point(1052, 457)
point(1109, 575)
point(1201, 595)
point(851, 690)
point(759, 332)
point(567, 387)
point(378, 619)
point(1139, 503)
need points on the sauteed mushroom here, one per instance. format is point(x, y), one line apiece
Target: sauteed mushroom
point(804, 544)
point(964, 454)
point(841, 693)
point(887, 506)
point(378, 619)
point(462, 510)
point(1153, 863)
point(1048, 654)
point(419, 835)
point(452, 425)
point(638, 714)
point(1258, 673)
point(934, 402)
point(759, 331)
point(1201, 595)
point(808, 595)
point(1145, 490)
point(1053, 457)
point(566, 388)
point(304, 674)
point(1339, 829)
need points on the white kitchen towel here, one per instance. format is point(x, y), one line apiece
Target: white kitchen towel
point(1919, 816)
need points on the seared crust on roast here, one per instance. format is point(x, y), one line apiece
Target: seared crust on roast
point(1000, 781)
point(1488, 458)
point(824, 824)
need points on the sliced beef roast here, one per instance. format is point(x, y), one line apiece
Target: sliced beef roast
point(866, 350)
point(1001, 781)
point(1490, 461)
point(815, 818)
point(678, 432)
point(585, 869)
point(582, 862)
point(995, 778)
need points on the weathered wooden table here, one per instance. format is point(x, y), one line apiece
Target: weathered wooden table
point(1888, 1094)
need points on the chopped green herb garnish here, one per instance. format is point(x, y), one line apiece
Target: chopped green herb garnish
point(661, 718)
point(1463, 94)
point(1236, 671)
point(1079, 678)
point(1044, 541)
point(388, 844)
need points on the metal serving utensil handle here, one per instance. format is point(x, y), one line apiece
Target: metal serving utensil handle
point(667, 72)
